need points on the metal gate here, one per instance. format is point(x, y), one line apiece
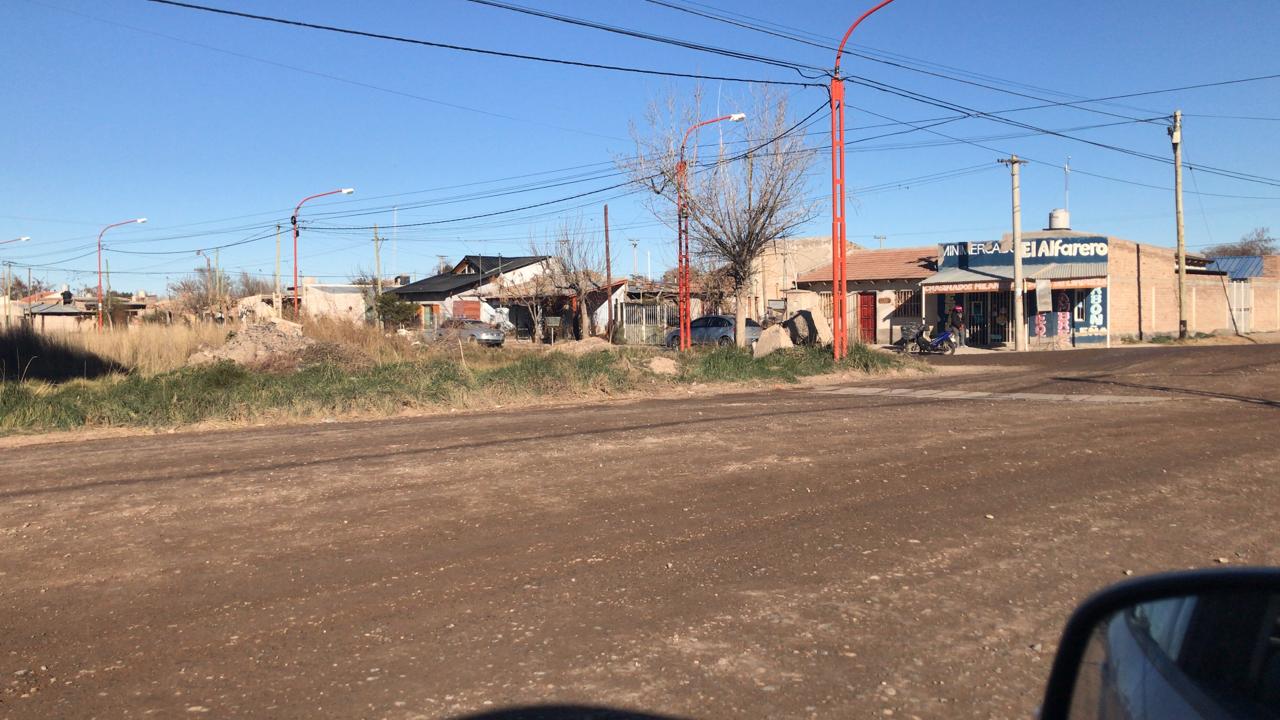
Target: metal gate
point(1240, 300)
point(646, 324)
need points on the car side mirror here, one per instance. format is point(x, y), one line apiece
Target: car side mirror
point(1200, 644)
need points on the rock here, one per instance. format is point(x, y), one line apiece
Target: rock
point(663, 366)
point(774, 338)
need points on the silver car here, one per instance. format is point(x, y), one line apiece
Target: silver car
point(471, 331)
point(713, 330)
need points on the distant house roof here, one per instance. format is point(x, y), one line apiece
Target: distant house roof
point(893, 264)
point(1238, 267)
point(57, 308)
point(471, 271)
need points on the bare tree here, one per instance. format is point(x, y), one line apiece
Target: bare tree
point(534, 295)
point(739, 203)
point(578, 260)
point(1258, 241)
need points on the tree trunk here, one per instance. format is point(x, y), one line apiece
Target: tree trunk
point(584, 326)
point(740, 316)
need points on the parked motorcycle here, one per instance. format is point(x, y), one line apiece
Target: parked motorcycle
point(916, 339)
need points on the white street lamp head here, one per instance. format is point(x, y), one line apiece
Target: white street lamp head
point(24, 238)
point(737, 117)
point(348, 191)
point(140, 220)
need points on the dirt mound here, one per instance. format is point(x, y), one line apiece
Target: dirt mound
point(253, 344)
point(581, 347)
point(664, 366)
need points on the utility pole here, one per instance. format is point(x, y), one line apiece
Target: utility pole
point(277, 293)
point(648, 259)
point(110, 322)
point(217, 278)
point(8, 291)
point(881, 239)
point(608, 278)
point(1019, 323)
point(377, 274)
point(1175, 134)
point(395, 240)
point(635, 265)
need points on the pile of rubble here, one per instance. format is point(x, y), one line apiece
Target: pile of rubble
point(255, 344)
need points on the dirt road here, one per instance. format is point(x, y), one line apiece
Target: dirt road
point(803, 552)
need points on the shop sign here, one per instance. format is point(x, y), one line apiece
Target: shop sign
point(1040, 251)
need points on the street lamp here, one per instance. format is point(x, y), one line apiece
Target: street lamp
point(297, 304)
point(683, 275)
point(24, 238)
point(839, 273)
point(138, 221)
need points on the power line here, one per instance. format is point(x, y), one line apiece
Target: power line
point(689, 45)
point(463, 48)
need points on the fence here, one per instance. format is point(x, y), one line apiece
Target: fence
point(646, 324)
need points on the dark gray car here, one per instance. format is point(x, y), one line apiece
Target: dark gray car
point(471, 331)
point(713, 330)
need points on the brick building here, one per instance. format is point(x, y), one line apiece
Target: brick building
point(1087, 289)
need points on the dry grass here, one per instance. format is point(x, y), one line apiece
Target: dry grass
point(146, 348)
point(382, 347)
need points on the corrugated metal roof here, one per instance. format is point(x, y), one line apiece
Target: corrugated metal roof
point(56, 309)
point(1238, 267)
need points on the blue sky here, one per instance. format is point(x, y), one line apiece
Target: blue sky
point(124, 108)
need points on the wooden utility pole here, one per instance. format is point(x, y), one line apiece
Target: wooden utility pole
point(608, 278)
point(1175, 134)
point(8, 291)
point(277, 262)
point(377, 273)
point(217, 279)
point(1019, 322)
point(106, 299)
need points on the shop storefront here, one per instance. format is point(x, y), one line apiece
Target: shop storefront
point(1065, 290)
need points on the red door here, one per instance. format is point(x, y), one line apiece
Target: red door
point(867, 317)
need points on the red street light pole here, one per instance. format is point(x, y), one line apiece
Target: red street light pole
point(839, 272)
point(297, 305)
point(104, 230)
point(684, 276)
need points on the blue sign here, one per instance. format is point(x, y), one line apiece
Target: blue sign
point(1038, 251)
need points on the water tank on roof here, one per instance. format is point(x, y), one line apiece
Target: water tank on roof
point(1059, 219)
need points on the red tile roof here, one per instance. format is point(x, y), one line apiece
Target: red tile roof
point(889, 264)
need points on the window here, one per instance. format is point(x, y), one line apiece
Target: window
point(906, 304)
point(699, 323)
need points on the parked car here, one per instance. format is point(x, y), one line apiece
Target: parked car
point(471, 331)
point(713, 330)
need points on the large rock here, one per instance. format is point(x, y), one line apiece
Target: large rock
point(809, 327)
point(774, 338)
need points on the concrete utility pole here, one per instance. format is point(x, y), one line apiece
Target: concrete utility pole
point(881, 239)
point(1175, 134)
point(635, 264)
point(377, 273)
point(1019, 322)
point(608, 279)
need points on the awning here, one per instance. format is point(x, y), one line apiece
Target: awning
point(1000, 277)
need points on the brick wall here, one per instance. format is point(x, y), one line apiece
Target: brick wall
point(1144, 294)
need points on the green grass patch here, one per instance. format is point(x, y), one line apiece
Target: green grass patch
point(324, 387)
point(732, 364)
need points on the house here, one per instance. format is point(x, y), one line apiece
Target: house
point(779, 267)
point(1252, 289)
point(884, 290)
point(475, 288)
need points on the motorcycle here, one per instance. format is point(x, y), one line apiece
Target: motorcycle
point(916, 339)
